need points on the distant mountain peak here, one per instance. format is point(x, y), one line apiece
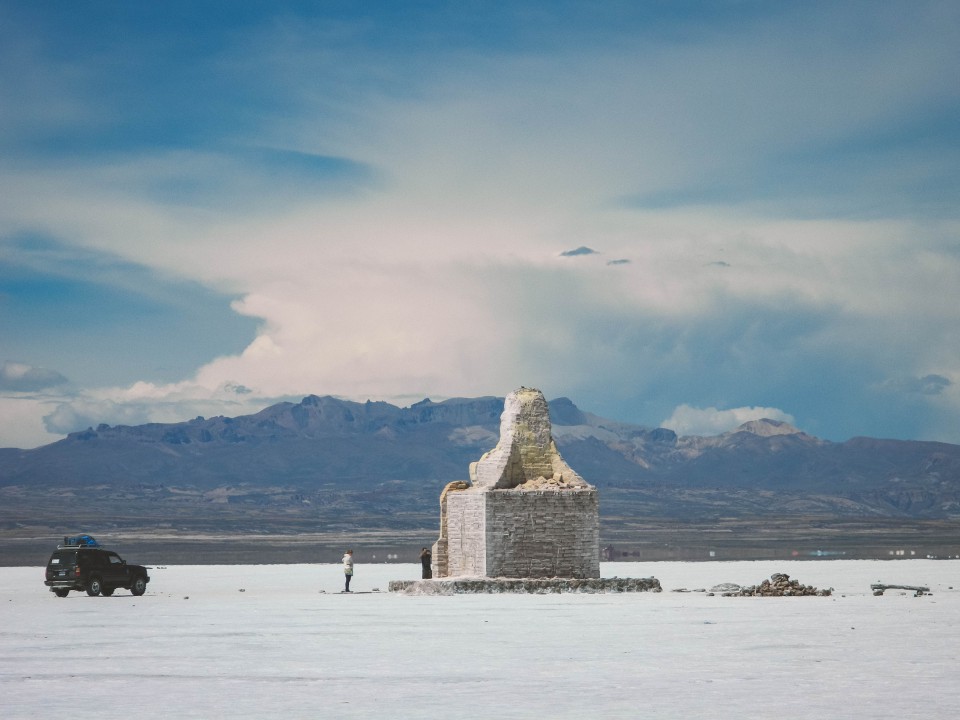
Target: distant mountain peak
point(765, 427)
point(564, 412)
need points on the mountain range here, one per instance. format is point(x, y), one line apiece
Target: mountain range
point(331, 463)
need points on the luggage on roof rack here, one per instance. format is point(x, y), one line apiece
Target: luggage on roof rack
point(80, 541)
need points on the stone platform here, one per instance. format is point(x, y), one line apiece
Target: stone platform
point(534, 586)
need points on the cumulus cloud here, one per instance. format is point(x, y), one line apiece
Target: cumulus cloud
point(21, 421)
point(687, 420)
point(145, 403)
point(20, 377)
point(81, 413)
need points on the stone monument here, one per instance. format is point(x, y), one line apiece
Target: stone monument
point(525, 522)
point(525, 512)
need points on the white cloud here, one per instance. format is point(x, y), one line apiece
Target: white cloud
point(21, 421)
point(687, 420)
point(145, 402)
point(20, 377)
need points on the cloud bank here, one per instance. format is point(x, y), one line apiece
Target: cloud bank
point(357, 202)
point(687, 420)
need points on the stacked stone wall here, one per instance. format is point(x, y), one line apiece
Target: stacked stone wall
point(523, 534)
point(466, 534)
point(542, 533)
point(439, 563)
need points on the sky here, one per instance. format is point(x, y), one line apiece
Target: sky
point(679, 214)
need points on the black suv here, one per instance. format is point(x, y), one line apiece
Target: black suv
point(93, 569)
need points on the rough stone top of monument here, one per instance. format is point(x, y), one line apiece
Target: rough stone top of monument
point(526, 457)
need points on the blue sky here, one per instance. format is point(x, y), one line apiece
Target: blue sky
point(686, 214)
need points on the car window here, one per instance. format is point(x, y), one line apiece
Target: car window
point(115, 559)
point(62, 558)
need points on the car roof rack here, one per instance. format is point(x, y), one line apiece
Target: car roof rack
point(79, 541)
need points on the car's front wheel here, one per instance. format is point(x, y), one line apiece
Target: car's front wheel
point(61, 592)
point(139, 586)
point(94, 586)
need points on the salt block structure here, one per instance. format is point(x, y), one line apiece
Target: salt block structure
point(525, 513)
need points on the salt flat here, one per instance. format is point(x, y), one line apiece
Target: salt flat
point(195, 646)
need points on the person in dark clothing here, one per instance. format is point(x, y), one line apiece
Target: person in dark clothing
point(425, 557)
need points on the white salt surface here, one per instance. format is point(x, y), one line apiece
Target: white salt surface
point(195, 646)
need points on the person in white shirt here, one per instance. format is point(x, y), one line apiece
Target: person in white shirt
point(347, 569)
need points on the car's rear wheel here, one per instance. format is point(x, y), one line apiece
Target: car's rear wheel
point(94, 586)
point(106, 591)
point(61, 592)
point(139, 586)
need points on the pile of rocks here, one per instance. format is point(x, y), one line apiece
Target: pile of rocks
point(556, 482)
point(779, 585)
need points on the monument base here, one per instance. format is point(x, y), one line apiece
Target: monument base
point(535, 586)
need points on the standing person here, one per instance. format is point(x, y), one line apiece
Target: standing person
point(347, 568)
point(425, 557)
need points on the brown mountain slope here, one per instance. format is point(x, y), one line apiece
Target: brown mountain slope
point(328, 461)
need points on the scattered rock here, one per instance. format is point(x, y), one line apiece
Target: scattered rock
point(725, 587)
point(779, 585)
point(878, 589)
